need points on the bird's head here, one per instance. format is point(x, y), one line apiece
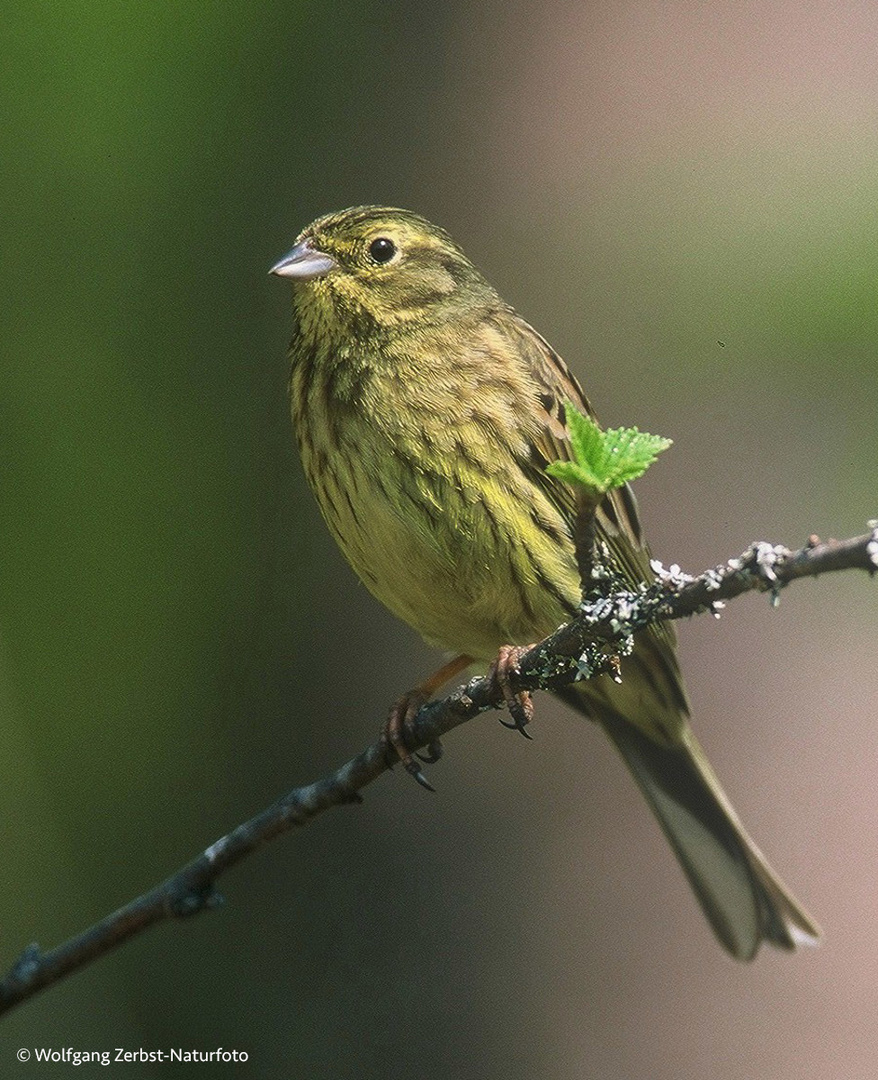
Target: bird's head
point(382, 265)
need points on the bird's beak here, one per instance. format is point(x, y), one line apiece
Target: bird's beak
point(303, 263)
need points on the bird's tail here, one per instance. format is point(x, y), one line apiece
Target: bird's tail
point(743, 899)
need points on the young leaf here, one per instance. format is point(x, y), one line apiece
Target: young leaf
point(605, 459)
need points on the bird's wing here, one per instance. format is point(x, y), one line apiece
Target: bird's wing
point(617, 517)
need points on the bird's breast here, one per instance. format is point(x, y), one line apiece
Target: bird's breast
point(425, 498)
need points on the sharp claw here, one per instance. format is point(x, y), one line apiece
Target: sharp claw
point(522, 710)
point(432, 754)
point(394, 735)
point(414, 770)
point(404, 711)
point(520, 705)
point(517, 725)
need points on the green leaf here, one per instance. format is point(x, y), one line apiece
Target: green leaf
point(605, 459)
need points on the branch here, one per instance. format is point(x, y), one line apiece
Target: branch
point(589, 645)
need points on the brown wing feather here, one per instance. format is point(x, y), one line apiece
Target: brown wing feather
point(654, 658)
point(619, 509)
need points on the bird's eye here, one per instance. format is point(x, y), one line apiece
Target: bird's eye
point(382, 250)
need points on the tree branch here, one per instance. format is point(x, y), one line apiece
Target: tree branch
point(587, 646)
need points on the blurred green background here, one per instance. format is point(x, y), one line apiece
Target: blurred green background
point(682, 198)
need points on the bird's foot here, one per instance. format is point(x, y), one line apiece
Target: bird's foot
point(403, 713)
point(503, 674)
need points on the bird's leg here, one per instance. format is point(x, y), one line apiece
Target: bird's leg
point(502, 674)
point(406, 708)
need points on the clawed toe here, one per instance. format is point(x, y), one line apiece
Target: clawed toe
point(433, 754)
point(415, 770)
point(403, 712)
point(503, 673)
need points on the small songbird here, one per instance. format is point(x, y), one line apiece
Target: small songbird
point(426, 412)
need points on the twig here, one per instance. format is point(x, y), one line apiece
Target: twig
point(588, 645)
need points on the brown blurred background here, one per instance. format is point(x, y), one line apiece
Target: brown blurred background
point(682, 198)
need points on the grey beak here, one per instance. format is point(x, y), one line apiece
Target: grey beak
point(303, 263)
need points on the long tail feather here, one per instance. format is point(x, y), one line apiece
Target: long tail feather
point(744, 901)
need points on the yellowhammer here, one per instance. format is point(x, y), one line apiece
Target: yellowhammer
point(426, 412)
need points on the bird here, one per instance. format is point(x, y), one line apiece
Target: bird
point(426, 411)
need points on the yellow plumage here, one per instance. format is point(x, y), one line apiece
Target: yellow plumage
point(426, 411)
